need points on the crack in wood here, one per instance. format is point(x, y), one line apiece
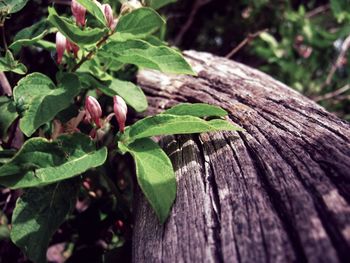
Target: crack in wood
point(277, 192)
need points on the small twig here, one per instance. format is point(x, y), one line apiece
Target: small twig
point(5, 85)
point(319, 10)
point(333, 94)
point(343, 97)
point(3, 36)
point(7, 201)
point(91, 53)
point(344, 48)
point(196, 6)
point(244, 42)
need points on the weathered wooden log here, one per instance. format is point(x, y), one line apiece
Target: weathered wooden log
point(277, 192)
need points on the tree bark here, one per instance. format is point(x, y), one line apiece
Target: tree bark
point(277, 192)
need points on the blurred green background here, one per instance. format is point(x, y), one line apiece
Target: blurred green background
point(300, 42)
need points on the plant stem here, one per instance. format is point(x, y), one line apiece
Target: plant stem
point(91, 53)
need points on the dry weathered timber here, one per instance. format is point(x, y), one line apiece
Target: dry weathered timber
point(277, 192)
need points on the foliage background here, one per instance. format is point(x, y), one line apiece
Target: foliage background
point(217, 26)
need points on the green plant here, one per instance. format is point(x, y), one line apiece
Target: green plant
point(68, 132)
point(303, 50)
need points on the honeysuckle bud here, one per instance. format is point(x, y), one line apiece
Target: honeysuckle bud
point(114, 24)
point(60, 46)
point(93, 109)
point(78, 12)
point(129, 6)
point(71, 47)
point(107, 10)
point(120, 111)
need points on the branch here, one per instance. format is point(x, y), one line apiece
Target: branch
point(245, 41)
point(333, 93)
point(196, 6)
point(319, 10)
point(344, 48)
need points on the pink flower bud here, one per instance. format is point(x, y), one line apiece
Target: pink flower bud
point(107, 10)
point(71, 47)
point(93, 109)
point(129, 6)
point(78, 12)
point(114, 24)
point(60, 46)
point(305, 51)
point(120, 111)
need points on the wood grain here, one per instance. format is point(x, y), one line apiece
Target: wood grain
point(277, 192)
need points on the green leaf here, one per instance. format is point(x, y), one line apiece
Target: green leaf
point(132, 94)
point(93, 9)
point(166, 124)
point(156, 4)
point(74, 33)
point(38, 214)
point(196, 109)
point(41, 162)
point(42, 100)
point(6, 155)
point(270, 39)
point(108, 62)
point(46, 45)
point(30, 35)
point(4, 232)
point(11, 6)
point(155, 41)
point(138, 24)
point(8, 63)
point(8, 115)
point(88, 81)
point(94, 67)
point(15, 46)
point(340, 9)
point(155, 175)
point(145, 55)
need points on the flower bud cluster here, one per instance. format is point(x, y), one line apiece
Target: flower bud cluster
point(94, 112)
point(79, 13)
